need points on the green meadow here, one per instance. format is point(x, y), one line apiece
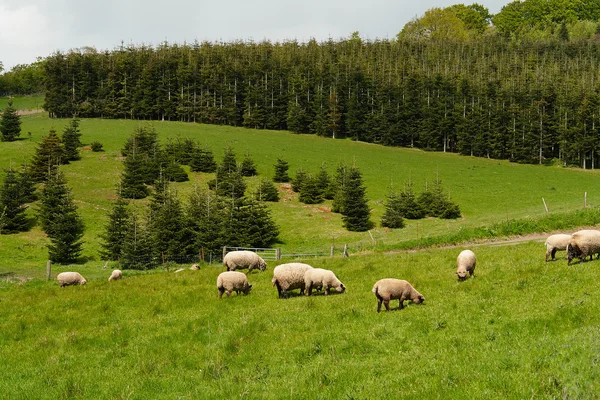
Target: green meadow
point(521, 328)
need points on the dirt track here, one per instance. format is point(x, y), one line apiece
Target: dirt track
point(29, 112)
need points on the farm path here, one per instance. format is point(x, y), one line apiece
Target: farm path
point(28, 112)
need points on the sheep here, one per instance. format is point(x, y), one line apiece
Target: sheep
point(465, 262)
point(319, 277)
point(116, 275)
point(555, 243)
point(289, 277)
point(582, 244)
point(395, 289)
point(195, 267)
point(242, 259)
point(70, 278)
point(229, 281)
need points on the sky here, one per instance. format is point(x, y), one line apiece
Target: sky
point(37, 28)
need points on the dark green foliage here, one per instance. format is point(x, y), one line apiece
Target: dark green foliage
point(310, 192)
point(60, 221)
point(204, 215)
point(356, 212)
point(266, 191)
point(133, 177)
point(248, 223)
point(71, 140)
point(174, 172)
point(337, 188)
point(48, 155)
point(281, 171)
point(181, 150)
point(10, 123)
point(96, 146)
point(435, 203)
point(228, 182)
point(202, 160)
point(248, 168)
point(27, 186)
point(409, 207)
point(324, 183)
point(167, 223)
point(299, 180)
point(115, 230)
point(393, 216)
point(138, 251)
point(142, 140)
point(13, 204)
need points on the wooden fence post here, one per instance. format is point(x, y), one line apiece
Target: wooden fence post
point(278, 253)
point(48, 270)
point(331, 251)
point(224, 251)
point(202, 254)
point(545, 206)
point(345, 250)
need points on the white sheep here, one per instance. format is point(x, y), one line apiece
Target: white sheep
point(321, 278)
point(116, 275)
point(289, 276)
point(582, 244)
point(195, 267)
point(70, 278)
point(465, 262)
point(229, 281)
point(395, 289)
point(555, 243)
point(241, 259)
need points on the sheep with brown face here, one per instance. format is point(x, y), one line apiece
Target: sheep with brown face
point(229, 281)
point(465, 263)
point(395, 289)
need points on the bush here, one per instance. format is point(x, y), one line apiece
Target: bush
point(96, 146)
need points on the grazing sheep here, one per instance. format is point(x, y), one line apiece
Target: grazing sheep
point(465, 262)
point(70, 278)
point(582, 244)
point(242, 259)
point(289, 277)
point(395, 289)
point(555, 243)
point(229, 281)
point(324, 278)
point(116, 275)
point(195, 267)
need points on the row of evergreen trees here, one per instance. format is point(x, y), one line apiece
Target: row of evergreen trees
point(491, 97)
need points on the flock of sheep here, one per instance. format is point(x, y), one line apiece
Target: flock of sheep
point(302, 276)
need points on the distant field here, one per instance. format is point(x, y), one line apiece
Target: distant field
point(520, 329)
point(487, 191)
point(24, 103)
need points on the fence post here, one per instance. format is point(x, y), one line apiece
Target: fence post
point(163, 257)
point(545, 206)
point(48, 270)
point(202, 254)
point(224, 251)
point(331, 251)
point(278, 253)
point(345, 250)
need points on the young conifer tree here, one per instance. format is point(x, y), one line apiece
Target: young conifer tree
point(281, 171)
point(138, 251)
point(71, 140)
point(204, 216)
point(48, 155)
point(248, 168)
point(299, 180)
point(393, 216)
point(202, 160)
point(356, 210)
point(115, 230)
point(10, 123)
point(133, 177)
point(266, 191)
point(13, 204)
point(310, 193)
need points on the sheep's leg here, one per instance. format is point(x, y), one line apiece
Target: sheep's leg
point(554, 254)
point(379, 300)
point(326, 290)
point(401, 304)
point(221, 290)
point(228, 292)
point(308, 290)
point(386, 303)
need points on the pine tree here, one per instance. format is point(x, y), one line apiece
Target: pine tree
point(202, 160)
point(281, 171)
point(324, 183)
point(10, 123)
point(27, 185)
point(248, 168)
point(205, 221)
point(356, 211)
point(310, 193)
point(299, 180)
point(393, 215)
point(409, 207)
point(133, 178)
point(138, 251)
point(435, 203)
point(337, 188)
point(71, 140)
point(266, 191)
point(60, 221)
point(248, 223)
point(175, 172)
point(48, 155)
point(115, 230)
point(13, 204)
point(228, 182)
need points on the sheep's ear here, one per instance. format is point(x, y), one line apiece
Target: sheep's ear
point(250, 286)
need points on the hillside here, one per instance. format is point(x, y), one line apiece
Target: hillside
point(487, 191)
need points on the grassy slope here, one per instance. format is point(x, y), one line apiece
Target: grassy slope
point(521, 328)
point(33, 102)
point(487, 191)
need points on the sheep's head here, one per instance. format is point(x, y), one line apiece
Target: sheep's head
point(419, 299)
point(340, 288)
point(462, 274)
point(83, 282)
point(248, 288)
point(262, 264)
point(573, 251)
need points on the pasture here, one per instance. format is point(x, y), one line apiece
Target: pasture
point(521, 328)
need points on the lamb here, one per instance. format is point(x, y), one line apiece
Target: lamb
point(582, 244)
point(116, 275)
point(319, 277)
point(242, 259)
point(289, 276)
point(465, 262)
point(555, 243)
point(70, 278)
point(395, 289)
point(229, 281)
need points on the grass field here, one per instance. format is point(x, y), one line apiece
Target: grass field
point(24, 103)
point(521, 328)
point(487, 191)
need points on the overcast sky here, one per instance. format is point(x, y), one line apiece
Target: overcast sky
point(37, 28)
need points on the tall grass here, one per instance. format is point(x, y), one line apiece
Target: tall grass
point(522, 328)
